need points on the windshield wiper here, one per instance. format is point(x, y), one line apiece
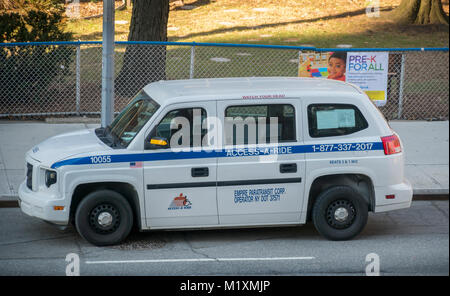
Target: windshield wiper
point(116, 142)
point(108, 137)
point(102, 134)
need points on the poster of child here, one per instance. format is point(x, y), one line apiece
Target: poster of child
point(336, 65)
point(367, 70)
point(329, 65)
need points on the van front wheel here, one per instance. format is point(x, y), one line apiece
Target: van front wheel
point(340, 213)
point(104, 218)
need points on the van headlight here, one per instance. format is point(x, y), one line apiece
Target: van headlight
point(50, 177)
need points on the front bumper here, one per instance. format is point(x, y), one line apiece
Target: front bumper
point(41, 206)
point(403, 197)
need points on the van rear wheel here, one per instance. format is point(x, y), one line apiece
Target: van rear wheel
point(340, 213)
point(104, 218)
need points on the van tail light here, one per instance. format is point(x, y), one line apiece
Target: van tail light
point(391, 144)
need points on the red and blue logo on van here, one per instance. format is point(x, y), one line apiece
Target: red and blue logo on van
point(180, 202)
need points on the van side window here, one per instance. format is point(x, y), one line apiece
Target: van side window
point(330, 120)
point(188, 123)
point(259, 124)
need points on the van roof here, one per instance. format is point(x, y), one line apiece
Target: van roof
point(163, 90)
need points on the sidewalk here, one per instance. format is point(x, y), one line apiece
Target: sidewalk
point(425, 143)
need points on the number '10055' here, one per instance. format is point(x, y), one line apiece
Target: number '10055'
point(101, 159)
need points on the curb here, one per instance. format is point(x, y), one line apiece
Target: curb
point(426, 192)
point(431, 196)
point(9, 204)
point(87, 120)
point(12, 202)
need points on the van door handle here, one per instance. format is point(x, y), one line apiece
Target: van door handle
point(288, 168)
point(200, 172)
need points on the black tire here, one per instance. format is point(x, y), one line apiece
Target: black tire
point(344, 200)
point(110, 203)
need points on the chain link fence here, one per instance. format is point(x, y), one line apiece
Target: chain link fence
point(64, 79)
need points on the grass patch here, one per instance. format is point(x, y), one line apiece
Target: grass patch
point(321, 23)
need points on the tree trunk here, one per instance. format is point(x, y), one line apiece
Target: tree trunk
point(420, 12)
point(143, 64)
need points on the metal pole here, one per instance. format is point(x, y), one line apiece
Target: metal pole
point(191, 69)
point(299, 62)
point(78, 80)
point(400, 94)
point(108, 63)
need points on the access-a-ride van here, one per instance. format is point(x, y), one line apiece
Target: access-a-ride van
point(223, 153)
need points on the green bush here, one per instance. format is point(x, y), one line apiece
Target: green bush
point(27, 71)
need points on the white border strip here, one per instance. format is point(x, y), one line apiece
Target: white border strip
point(199, 260)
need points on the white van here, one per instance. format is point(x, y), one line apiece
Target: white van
point(222, 153)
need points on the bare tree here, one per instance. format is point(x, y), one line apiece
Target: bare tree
point(420, 12)
point(143, 64)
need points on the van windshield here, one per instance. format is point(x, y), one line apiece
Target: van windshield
point(131, 120)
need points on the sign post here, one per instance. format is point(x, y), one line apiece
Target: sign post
point(108, 63)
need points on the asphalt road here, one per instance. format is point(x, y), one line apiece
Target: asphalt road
point(413, 241)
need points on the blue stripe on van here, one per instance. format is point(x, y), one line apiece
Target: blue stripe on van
point(257, 151)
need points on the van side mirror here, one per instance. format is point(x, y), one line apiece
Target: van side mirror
point(156, 143)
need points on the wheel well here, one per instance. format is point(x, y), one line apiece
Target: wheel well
point(125, 189)
point(361, 183)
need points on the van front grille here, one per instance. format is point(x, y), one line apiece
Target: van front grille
point(30, 176)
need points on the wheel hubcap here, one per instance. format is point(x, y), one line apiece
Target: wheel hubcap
point(340, 214)
point(104, 219)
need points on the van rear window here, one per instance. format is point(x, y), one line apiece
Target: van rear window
point(330, 120)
